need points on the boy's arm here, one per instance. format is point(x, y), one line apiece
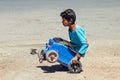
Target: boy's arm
point(84, 44)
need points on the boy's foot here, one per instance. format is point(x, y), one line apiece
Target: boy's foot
point(33, 51)
point(41, 60)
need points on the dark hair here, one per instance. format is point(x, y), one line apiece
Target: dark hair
point(68, 14)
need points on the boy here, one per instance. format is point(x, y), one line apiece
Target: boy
point(76, 33)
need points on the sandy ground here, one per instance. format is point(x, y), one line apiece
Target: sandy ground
point(22, 31)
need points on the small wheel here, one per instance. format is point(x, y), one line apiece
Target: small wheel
point(52, 56)
point(75, 67)
point(41, 56)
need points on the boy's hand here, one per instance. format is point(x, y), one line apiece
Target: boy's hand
point(75, 59)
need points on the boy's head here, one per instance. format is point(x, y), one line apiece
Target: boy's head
point(68, 17)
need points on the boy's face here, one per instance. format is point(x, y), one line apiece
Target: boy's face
point(65, 22)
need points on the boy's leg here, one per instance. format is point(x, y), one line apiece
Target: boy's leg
point(62, 41)
point(66, 43)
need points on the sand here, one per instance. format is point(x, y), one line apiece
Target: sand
point(22, 31)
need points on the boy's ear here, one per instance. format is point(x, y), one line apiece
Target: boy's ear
point(71, 21)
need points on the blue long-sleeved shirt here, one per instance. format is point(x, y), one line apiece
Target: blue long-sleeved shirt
point(78, 38)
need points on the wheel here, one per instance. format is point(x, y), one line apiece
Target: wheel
point(52, 56)
point(41, 56)
point(75, 67)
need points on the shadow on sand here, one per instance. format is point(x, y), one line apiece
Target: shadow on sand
point(53, 68)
